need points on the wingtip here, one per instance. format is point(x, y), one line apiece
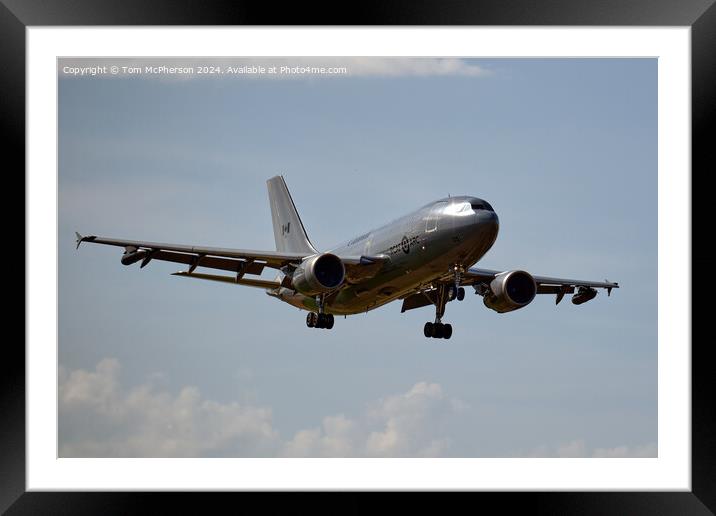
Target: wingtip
point(79, 239)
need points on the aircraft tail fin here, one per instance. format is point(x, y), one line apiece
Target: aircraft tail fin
point(288, 229)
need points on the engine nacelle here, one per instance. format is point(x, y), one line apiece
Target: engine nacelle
point(510, 290)
point(318, 274)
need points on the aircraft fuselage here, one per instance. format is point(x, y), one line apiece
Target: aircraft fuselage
point(423, 246)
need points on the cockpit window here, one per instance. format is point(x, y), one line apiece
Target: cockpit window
point(458, 208)
point(481, 205)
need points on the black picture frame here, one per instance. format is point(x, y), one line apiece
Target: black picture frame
point(700, 15)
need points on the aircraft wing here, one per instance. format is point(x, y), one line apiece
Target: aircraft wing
point(482, 277)
point(239, 261)
point(545, 284)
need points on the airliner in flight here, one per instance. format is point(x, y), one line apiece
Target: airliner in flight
point(424, 258)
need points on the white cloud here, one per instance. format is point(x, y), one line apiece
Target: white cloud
point(99, 418)
point(645, 450)
point(572, 449)
point(413, 424)
point(579, 448)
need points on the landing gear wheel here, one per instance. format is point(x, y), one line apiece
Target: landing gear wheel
point(452, 293)
point(447, 330)
point(437, 330)
point(311, 319)
point(460, 294)
point(428, 329)
point(314, 320)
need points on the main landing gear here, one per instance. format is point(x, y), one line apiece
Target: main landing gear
point(445, 293)
point(437, 330)
point(314, 320)
point(320, 319)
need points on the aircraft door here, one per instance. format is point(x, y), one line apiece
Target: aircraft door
point(431, 222)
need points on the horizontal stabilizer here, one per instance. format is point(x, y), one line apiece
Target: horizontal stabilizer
point(230, 279)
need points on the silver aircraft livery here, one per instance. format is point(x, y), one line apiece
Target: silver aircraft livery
point(424, 258)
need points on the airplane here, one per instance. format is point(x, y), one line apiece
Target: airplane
point(423, 258)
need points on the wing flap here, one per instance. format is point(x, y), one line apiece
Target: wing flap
point(543, 280)
point(230, 279)
point(211, 262)
point(554, 289)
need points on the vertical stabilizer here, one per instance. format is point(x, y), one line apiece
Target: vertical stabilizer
point(288, 229)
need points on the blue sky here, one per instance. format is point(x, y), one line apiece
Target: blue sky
point(565, 150)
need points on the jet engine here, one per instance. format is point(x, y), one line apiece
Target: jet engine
point(510, 290)
point(318, 274)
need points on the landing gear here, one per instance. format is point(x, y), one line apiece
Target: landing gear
point(447, 331)
point(320, 319)
point(456, 293)
point(311, 319)
point(327, 321)
point(444, 294)
point(438, 330)
point(428, 329)
point(314, 320)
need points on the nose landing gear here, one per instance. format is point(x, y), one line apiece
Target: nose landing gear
point(456, 293)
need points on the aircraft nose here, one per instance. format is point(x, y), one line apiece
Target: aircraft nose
point(489, 222)
point(494, 219)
